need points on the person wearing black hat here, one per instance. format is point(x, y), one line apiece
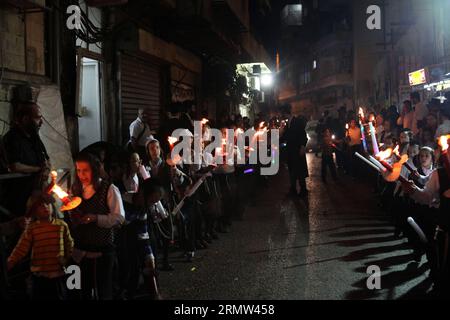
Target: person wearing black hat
point(26, 154)
point(296, 139)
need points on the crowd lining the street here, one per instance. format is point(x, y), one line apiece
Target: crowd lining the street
point(420, 130)
point(138, 205)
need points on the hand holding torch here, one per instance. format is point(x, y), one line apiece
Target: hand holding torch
point(69, 203)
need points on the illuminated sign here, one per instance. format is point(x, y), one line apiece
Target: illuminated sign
point(418, 77)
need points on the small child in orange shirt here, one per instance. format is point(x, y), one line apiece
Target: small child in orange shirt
point(51, 247)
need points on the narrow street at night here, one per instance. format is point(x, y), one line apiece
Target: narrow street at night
point(210, 158)
point(289, 249)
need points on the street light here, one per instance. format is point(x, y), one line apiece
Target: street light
point(267, 80)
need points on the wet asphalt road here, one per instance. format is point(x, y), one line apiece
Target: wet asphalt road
point(289, 249)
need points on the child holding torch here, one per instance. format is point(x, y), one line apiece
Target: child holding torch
point(51, 247)
point(437, 192)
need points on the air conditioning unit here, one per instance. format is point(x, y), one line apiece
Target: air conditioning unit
point(255, 83)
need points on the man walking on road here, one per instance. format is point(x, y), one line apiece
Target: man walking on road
point(296, 139)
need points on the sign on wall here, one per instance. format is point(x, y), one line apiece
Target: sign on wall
point(418, 77)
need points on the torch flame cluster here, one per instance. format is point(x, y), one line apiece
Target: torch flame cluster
point(391, 173)
point(383, 155)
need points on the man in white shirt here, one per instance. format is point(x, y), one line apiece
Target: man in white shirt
point(406, 119)
point(141, 133)
point(420, 112)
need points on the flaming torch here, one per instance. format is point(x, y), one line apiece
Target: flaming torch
point(239, 132)
point(390, 173)
point(361, 115)
point(174, 160)
point(172, 141)
point(373, 134)
point(383, 156)
point(68, 202)
point(361, 123)
point(394, 170)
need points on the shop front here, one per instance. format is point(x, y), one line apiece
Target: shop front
point(432, 82)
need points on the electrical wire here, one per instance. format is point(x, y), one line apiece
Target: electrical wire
point(53, 128)
point(45, 120)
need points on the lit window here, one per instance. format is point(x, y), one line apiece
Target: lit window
point(291, 15)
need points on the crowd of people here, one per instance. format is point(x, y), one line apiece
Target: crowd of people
point(137, 205)
point(416, 202)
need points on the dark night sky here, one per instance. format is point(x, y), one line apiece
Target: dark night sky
point(268, 27)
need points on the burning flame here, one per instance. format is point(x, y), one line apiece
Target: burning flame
point(68, 202)
point(361, 113)
point(260, 132)
point(204, 121)
point(172, 140)
point(383, 155)
point(347, 126)
point(60, 193)
point(397, 151)
point(261, 125)
point(443, 142)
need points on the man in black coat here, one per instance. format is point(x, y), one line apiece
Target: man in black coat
point(296, 139)
point(26, 154)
